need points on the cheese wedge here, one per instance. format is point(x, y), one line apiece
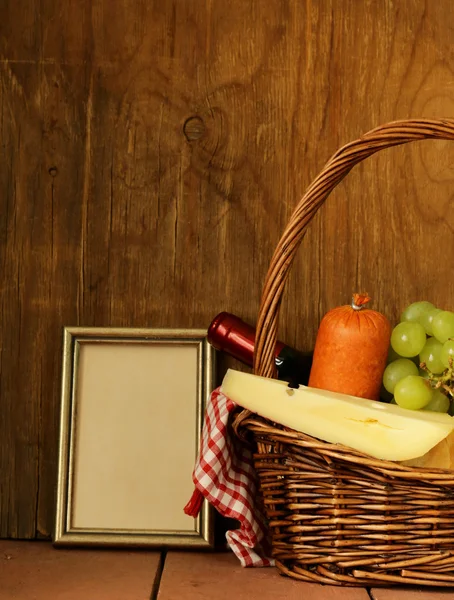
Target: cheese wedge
point(440, 456)
point(380, 430)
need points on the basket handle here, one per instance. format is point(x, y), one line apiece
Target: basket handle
point(385, 136)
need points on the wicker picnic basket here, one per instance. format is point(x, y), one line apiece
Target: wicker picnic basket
point(337, 516)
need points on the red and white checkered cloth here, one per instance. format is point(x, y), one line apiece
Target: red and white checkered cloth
point(224, 475)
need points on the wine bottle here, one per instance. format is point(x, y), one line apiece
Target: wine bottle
point(228, 333)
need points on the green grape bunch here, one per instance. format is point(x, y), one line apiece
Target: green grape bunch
point(420, 370)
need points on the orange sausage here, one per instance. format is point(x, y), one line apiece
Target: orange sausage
point(351, 350)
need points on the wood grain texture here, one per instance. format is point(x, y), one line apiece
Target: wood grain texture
point(201, 577)
point(410, 594)
point(39, 571)
point(151, 155)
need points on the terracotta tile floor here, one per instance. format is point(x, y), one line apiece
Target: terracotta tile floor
point(37, 571)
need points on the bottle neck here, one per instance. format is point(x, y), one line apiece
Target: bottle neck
point(294, 366)
point(230, 334)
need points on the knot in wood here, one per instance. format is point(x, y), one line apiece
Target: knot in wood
point(193, 128)
point(53, 171)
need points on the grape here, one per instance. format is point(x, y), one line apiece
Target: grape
point(413, 392)
point(443, 326)
point(408, 338)
point(447, 352)
point(439, 403)
point(385, 396)
point(427, 319)
point(392, 355)
point(396, 371)
point(422, 373)
point(431, 355)
point(416, 310)
point(415, 359)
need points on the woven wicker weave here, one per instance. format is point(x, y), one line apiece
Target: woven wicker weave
point(335, 515)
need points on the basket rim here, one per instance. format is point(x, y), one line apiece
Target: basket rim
point(263, 428)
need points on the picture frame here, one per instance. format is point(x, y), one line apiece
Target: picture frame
point(132, 409)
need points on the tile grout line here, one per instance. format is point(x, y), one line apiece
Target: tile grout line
point(158, 576)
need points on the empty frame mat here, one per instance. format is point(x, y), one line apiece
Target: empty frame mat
point(130, 431)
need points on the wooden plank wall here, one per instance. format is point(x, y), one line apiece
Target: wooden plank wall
point(151, 154)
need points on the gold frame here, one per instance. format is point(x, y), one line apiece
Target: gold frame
point(202, 534)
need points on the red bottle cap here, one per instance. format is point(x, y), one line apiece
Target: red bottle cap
point(230, 334)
